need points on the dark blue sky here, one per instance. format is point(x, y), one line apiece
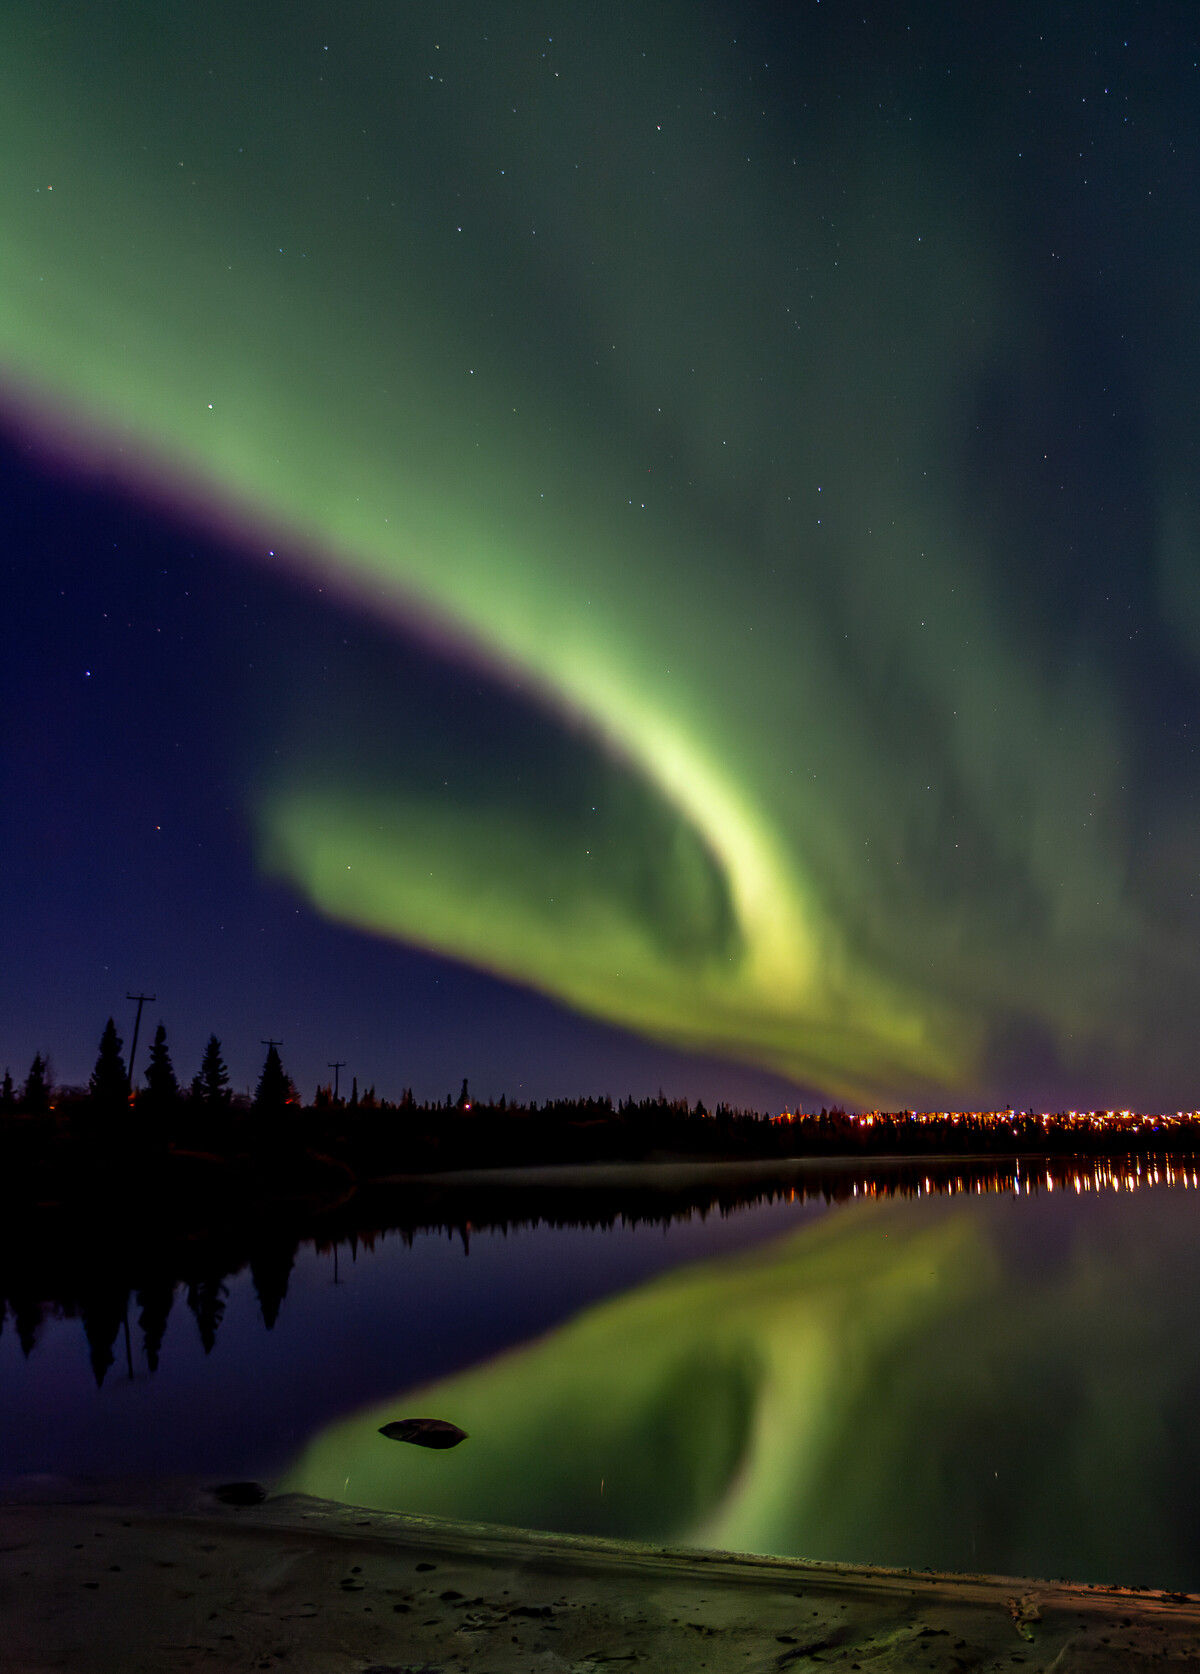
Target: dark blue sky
point(798, 405)
point(141, 659)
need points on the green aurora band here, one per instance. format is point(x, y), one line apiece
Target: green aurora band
point(648, 397)
point(980, 1384)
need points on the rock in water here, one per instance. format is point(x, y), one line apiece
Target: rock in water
point(425, 1432)
point(240, 1493)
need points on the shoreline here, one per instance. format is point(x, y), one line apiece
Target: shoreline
point(314, 1194)
point(114, 1578)
point(675, 1172)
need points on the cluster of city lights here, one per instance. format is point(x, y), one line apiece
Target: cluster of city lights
point(1132, 1121)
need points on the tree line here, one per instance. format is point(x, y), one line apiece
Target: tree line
point(356, 1140)
point(110, 1088)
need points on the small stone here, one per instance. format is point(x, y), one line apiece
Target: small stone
point(240, 1493)
point(424, 1432)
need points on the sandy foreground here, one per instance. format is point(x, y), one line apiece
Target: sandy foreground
point(164, 1577)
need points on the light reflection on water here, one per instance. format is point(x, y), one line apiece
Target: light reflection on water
point(968, 1381)
point(1099, 1175)
point(913, 1369)
point(373, 1313)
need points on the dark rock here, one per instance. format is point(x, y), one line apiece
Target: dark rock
point(240, 1493)
point(425, 1432)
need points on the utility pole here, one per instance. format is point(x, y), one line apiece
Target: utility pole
point(270, 1046)
point(137, 1023)
point(338, 1064)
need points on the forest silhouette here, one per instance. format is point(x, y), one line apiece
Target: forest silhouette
point(122, 1279)
point(370, 1135)
point(118, 1198)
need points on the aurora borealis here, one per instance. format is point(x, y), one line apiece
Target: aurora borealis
point(789, 425)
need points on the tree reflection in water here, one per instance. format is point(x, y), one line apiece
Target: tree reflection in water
point(120, 1276)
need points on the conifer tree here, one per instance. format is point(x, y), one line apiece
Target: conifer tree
point(162, 1089)
point(206, 1298)
point(36, 1096)
point(270, 1269)
point(8, 1099)
point(155, 1300)
point(210, 1084)
point(274, 1090)
point(109, 1085)
point(102, 1311)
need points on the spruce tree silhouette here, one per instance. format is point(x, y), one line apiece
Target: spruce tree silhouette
point(109, 1085)
point(155, 1300)
point(270, 1269)
point(29, 1315)
point(8, 1099)
point(35, 1099)
point(206, 1298)
point(102, 1312)
point(274, 1090)
point(162, 1089)
point(210, 1084)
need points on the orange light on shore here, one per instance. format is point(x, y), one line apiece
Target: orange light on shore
point(1092, 1121)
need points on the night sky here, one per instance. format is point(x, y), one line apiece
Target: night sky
point(593, 547)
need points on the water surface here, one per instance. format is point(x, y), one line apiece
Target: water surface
point(1003, 1382)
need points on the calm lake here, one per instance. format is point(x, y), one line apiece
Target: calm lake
point(1003, 1381)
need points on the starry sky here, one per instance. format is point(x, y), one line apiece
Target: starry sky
point(606, 547)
